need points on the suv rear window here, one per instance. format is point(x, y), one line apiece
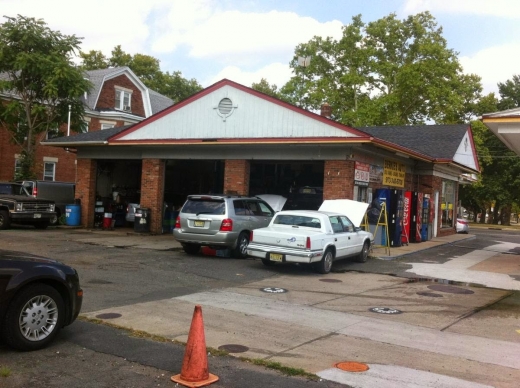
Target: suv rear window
point(204, 206)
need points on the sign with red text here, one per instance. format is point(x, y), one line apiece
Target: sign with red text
point(407, 207)
point(361, 174)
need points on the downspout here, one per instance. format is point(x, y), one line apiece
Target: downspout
point(68, 127)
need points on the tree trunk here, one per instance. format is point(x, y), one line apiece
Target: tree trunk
point(505, 215)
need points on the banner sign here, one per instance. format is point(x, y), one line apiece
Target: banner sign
point(361, 174)
point(394, 173)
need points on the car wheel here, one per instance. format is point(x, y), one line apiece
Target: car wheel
point(33, 318)
point(363, 256)
point(4, 220)
point(41, 225)
point(267, 262)
point(191, 249)
point(325, 264)
point(240, 251)
point(55, 219)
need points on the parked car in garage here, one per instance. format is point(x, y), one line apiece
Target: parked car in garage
point(305, 198)
point(38, 296)
point(220, 221)
point(316, 237)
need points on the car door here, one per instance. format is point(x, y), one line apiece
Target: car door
point(355, 239)
point(261, 213)
point(341, 237)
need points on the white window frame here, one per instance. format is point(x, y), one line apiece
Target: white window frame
point(45, 176)
point(123, 99)
point(107, 125)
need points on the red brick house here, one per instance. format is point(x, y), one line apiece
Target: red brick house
point(117, 98)
point(229, 138)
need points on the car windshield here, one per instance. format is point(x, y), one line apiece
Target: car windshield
point(12, 189)
point(204, 206)
point(284, 219)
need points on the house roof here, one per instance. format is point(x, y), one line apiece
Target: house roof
point(94, 137)
point(506, 126)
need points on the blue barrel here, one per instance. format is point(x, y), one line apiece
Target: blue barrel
point(72, 215)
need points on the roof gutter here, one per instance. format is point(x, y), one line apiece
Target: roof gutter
point(71, 144)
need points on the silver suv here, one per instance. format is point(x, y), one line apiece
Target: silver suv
point(220, 221)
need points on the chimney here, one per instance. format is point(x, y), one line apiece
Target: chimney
point(326, 110)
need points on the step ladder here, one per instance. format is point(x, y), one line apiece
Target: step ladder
point(383, 222)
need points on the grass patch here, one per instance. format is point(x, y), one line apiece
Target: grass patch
point(286, 370)
point(5, 372)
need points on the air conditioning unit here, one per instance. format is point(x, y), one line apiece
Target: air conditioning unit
point(126, 108)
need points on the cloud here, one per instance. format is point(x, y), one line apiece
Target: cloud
point(493, 64)
point(501, 8)
point(275, 73)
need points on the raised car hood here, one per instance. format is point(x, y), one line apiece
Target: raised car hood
point(354, 210)
point(275, 201)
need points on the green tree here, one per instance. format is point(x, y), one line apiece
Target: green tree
point(509, 93)
point(266, 88)
point(148, 69)
point(44, 83)
point(389, 71)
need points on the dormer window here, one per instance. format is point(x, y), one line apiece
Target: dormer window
point(123, 99)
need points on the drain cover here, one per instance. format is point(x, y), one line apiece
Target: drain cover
point(385, 310)
point(234, 348)
point(449, 289)
point(108, 316)
point(432, 294)
point(352, 366)
point(273, 290)
point(331, 280)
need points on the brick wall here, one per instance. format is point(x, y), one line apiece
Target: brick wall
point(236, 177)
point(107, 96)
point(86, 190)
point(338, 179)
point(152, 191)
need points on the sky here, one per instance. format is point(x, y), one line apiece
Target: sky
point(247, 40)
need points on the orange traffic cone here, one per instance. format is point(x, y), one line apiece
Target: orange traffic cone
point(194, 372)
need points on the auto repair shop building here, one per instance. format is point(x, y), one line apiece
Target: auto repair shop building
point(231, 139)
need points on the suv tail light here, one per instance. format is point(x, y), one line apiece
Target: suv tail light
point(227, 225)
point(35, 192)
point(178, 223)
point(251, 236)
point(308, 243)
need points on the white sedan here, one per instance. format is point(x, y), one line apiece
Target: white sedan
point(310, 236)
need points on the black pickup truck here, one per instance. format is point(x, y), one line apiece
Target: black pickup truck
point(18, 207)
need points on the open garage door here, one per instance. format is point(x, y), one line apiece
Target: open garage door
point(185, 177)
point(300, 182)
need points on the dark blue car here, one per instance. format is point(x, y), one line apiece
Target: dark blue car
point(38, 296)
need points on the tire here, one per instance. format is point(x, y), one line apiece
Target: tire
point(267, 262)
point(55, 220)
point(363, 256)
point(242, 242)
point(42, 225)
point(34, 317)
point(324, 266)
point(191, 249)
point(5, 222)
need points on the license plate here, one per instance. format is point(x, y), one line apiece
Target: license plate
point(37, 215)
point(199, 223)
point(275, 257)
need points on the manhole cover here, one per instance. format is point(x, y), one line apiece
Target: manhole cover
point(108, 316)
point(352, 366)
point(331, 280)
point(234, 348)
point(385, 310)
point(273, 290)
point(449, 289)
point(432, 294)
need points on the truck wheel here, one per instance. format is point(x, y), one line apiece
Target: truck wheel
point(5, 223)
point(325, 264)
point(55, 219)
point(240, 252)
point(33, 318)
point(191, 249)
point(363, 255)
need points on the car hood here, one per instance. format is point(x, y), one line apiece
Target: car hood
point(25, 198)
point(25, 257)
point(275, 201)
point(354, 210)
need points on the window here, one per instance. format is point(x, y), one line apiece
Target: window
point(447, 201)
point(123, 99)
point(348, 226)
point(337, 226)
point(17, 168)
point(52, 133)
point(49, 170)
point(107, 125)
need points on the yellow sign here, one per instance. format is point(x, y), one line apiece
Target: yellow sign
point(394, 174)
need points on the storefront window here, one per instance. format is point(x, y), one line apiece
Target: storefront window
point(447, 204)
